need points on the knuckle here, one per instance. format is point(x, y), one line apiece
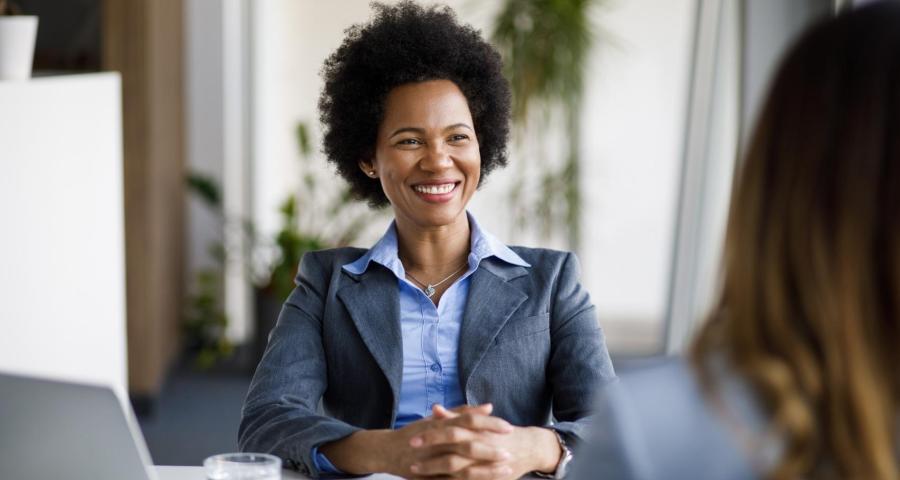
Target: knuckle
point(456, 463)
point(429, 437)
point(475, 473)
point(455, 434)
point(468, 448)
point(467, 419)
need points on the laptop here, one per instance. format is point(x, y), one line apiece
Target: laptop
point(53, 430)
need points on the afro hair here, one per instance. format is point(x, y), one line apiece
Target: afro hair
point(407, 43)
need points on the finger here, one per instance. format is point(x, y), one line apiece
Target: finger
point(459, 429)
point(484, 408)
point(439, 412)
point(485, 472)
point(479, 422)
point(480, 451)
point(441, 465)
point(445, 434)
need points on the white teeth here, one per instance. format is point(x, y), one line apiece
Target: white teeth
point(435, 189)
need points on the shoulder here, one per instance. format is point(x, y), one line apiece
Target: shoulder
point(332, 256)
point(555, 270)
point(539, 255)
point(325, 263)
point(655, 422)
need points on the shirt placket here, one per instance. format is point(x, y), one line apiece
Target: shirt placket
point(434, 382)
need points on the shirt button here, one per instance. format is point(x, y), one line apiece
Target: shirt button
point(435, 367)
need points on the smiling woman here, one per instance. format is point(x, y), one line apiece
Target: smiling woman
point(440, 351)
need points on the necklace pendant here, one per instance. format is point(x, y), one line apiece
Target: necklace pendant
point(429, 291)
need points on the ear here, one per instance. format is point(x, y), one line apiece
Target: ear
point(368, 168)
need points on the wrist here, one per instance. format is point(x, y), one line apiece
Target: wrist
point(547, 450)
point(358, 453)
point(372, 445)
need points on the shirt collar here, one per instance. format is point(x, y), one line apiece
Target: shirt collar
point(483, 245)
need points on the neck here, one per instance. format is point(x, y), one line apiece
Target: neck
point(434, 250)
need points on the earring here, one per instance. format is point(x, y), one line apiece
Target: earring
point(372, 173)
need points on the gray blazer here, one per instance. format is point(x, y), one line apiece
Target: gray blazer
point(529, 343)
point(656, 423)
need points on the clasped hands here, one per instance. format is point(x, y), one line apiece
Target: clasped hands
point(465, 442)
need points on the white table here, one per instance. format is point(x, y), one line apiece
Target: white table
point(196, 473)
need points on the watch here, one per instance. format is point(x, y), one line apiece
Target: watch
point(564, 459)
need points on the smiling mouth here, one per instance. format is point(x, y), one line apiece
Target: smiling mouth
point(438, 189)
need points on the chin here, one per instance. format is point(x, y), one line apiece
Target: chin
point(440, 218)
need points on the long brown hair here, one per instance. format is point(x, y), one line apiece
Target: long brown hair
point(809, 309)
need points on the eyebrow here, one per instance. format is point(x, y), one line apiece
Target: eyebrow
point(422, 130)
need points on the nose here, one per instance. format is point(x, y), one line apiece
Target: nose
point(436, 158)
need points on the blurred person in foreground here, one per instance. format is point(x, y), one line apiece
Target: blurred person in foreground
point(439, 352)
point(795, 373)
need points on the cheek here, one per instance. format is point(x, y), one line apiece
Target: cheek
point(391, 184)
point(475, 167)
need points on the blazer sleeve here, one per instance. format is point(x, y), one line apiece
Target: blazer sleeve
point(281, 413)
point(579, 361)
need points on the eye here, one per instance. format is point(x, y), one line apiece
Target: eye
point(458, 137)
point(409, 142)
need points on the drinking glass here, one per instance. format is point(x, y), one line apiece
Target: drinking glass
point(243, 466)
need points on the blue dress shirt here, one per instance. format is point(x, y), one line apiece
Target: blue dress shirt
point(430, 333)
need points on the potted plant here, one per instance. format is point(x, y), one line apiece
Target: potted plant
point(17, 36)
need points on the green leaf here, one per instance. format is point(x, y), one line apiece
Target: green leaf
point(206, 188)
point(303, 141)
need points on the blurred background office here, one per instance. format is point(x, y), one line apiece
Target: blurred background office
point(173, 199)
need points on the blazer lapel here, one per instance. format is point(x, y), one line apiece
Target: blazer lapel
point(373, 303)
point(491, 302)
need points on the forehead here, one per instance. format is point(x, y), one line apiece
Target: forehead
point(431, 104)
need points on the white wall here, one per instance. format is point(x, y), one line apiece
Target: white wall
point(634, 127)
point(62, 247)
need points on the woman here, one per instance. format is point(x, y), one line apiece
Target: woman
point(794, 375)
point(412, 345)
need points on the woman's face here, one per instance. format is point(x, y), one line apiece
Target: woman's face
point(426, 154)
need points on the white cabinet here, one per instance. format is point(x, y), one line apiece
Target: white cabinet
point(62, 247)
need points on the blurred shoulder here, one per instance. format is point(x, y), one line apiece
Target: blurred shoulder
point(656, 423)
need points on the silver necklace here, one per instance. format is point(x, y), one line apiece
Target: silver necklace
point(429, 288)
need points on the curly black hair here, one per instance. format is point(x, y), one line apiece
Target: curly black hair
point(406, 43)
